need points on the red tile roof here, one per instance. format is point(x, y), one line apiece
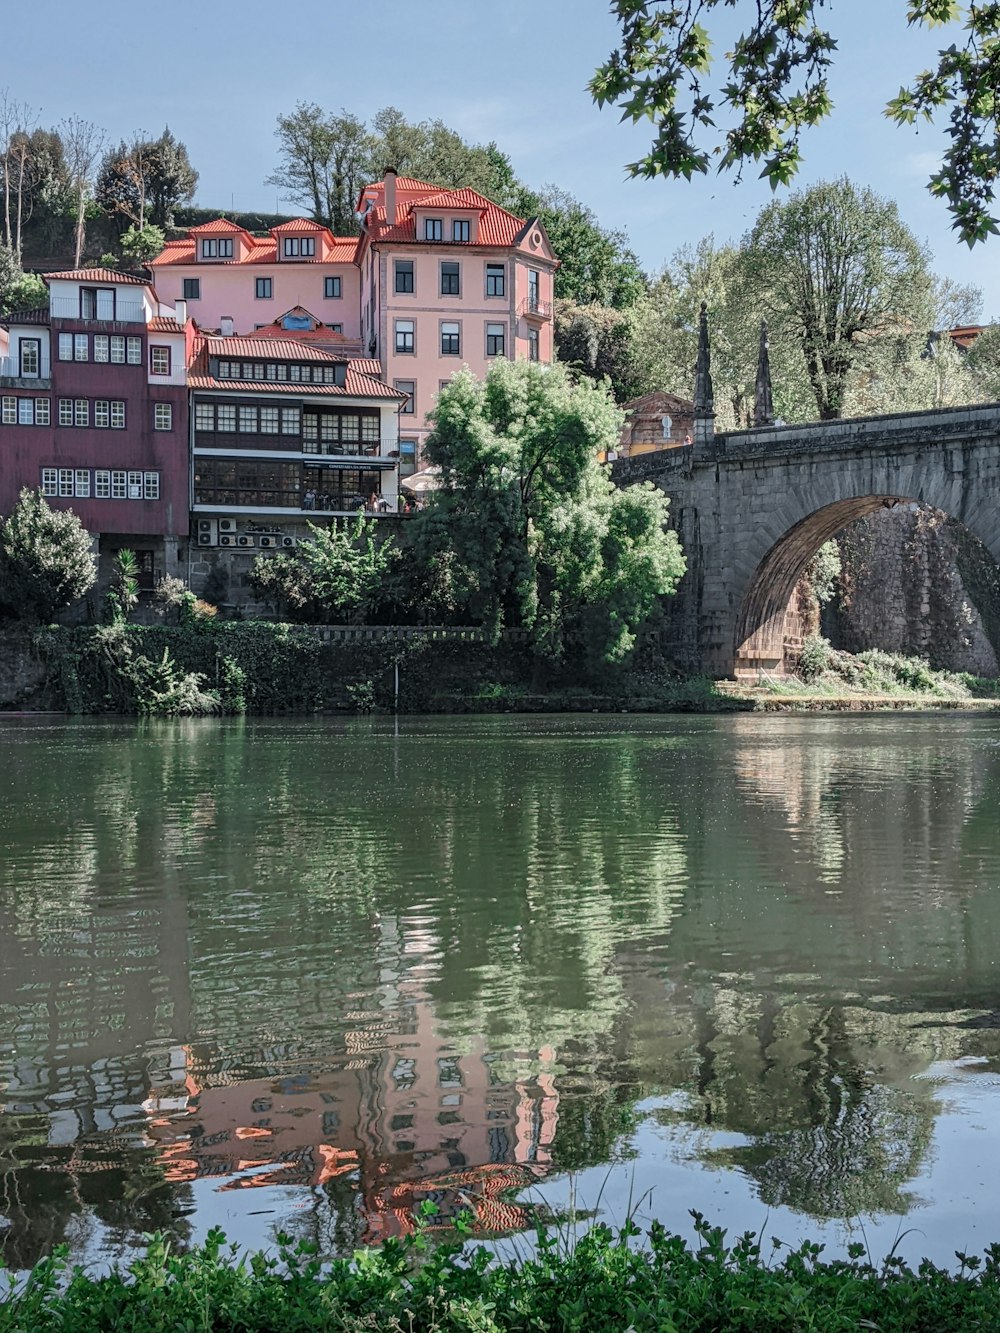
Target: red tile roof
point(965, 335)
point(217, 226)
point(299, 225)
point(285, 347)
point(496, 225)
point(40, 316)
point(164, 324)
point(106, 275)
point(263, 250)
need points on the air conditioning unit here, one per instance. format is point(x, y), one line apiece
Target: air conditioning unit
point(266, 543)
point(227, 524)
point(208, 532)
point(227, 539)
point(244, 540)
point(286, 542)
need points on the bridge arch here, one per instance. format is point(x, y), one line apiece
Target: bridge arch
point(774, 562)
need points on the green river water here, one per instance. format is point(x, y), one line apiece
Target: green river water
point(304, 975)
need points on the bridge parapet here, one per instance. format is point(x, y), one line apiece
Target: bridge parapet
point(944, 424)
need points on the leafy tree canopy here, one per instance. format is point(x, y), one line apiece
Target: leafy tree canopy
point(774, 84)
point(45, 559)
point(18, 290)
point(545, 541)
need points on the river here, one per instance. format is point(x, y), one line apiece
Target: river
point(303, 976)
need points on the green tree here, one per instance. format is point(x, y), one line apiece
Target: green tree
point(45, 559)
point(341, 572)
point(597, 266)
point(325, 160)
point(545, 541)
point(835, 266)
point(142, 244)
point(18, 290)
point(599, 341)
point(170, 178)
point(774, 85)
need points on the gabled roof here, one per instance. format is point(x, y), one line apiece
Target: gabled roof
point(164, 324)
point(283, 347)
point(316, 331)
point(299, 225)
point(218, 226)
point(261, 250)
point(105, 275)
point(362, 379)
point(497, 226)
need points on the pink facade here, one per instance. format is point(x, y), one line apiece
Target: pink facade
point(93, 411)
point(255, 279)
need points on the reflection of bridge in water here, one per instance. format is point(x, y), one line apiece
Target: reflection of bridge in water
point(752, 507)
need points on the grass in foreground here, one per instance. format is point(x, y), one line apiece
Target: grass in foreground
point(607, 1281)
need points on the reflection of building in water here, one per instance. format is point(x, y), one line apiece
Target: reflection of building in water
point(404, 1124)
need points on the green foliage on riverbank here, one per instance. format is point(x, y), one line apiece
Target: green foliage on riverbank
point(605, 1281)
point(823, 669)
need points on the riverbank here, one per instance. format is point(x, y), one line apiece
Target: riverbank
point(261, 668)
point(604, 1281)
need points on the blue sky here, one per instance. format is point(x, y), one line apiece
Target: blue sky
point(514, 72)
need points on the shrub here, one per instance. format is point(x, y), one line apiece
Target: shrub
point(45, 559)
point(815, 657)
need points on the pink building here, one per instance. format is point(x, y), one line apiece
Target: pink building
point(437, 279)
point(93, 411)
point(448, 278)
point(224, 273)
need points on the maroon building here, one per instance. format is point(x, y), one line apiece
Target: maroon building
point(93, 410)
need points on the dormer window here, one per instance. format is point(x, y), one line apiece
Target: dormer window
point(217, 248)
point(460, 230)
point(299, 247)
point(433, 229)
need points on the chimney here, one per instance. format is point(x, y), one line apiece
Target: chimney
point(181, 311)
point(226, 326)
point(390, 196)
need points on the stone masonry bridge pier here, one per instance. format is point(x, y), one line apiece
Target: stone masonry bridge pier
point(752, 507)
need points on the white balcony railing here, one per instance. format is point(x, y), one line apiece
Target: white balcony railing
point(125, 310)
point(10, 368)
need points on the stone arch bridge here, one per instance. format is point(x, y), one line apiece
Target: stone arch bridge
point(752, 507)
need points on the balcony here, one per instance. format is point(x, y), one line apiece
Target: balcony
point(125, 310)
point(533, 307)
point(354, 453)
point(11, 377)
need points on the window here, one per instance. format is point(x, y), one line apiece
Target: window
point(101, 348)
point(135, 351)
point(119, 485)
point(496, 280)
point(192, 289)
point(290, 421)
point(163, 416)
point(102, 414)
point(451, 340)
point(404, 275)
point(495, 335)
point(409, 387)
point(269, 421)
point(533, 289)
point(97, 303)
point(118, 416)
point(66, 482)
point(50, 481)
point(337, 328)
point(221, 248)
point(159, 360)
point(31, 357)
point(449, 279)
point(8, 412)
point(204, 416)
point(25, 412)
point(135, 485)
point(533, 345)
point(81, 483)
point(331, 287)
point(118, 351)
point(433, 229)
point(460, 230)
point(102, 484)
point(65, 411)
point(81, 347)
point(299, 247)
point(42, 415)
point(81, 412)
point(226, 418)
point(263, 288)
point(248, 421)
point(151, 485)
point(65, 352)
point(405, 335)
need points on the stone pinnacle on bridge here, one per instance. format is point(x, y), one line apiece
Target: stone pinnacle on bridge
point(704, 398)
point(763, 397)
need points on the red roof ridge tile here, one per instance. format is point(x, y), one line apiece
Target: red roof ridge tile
point(98, 275)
